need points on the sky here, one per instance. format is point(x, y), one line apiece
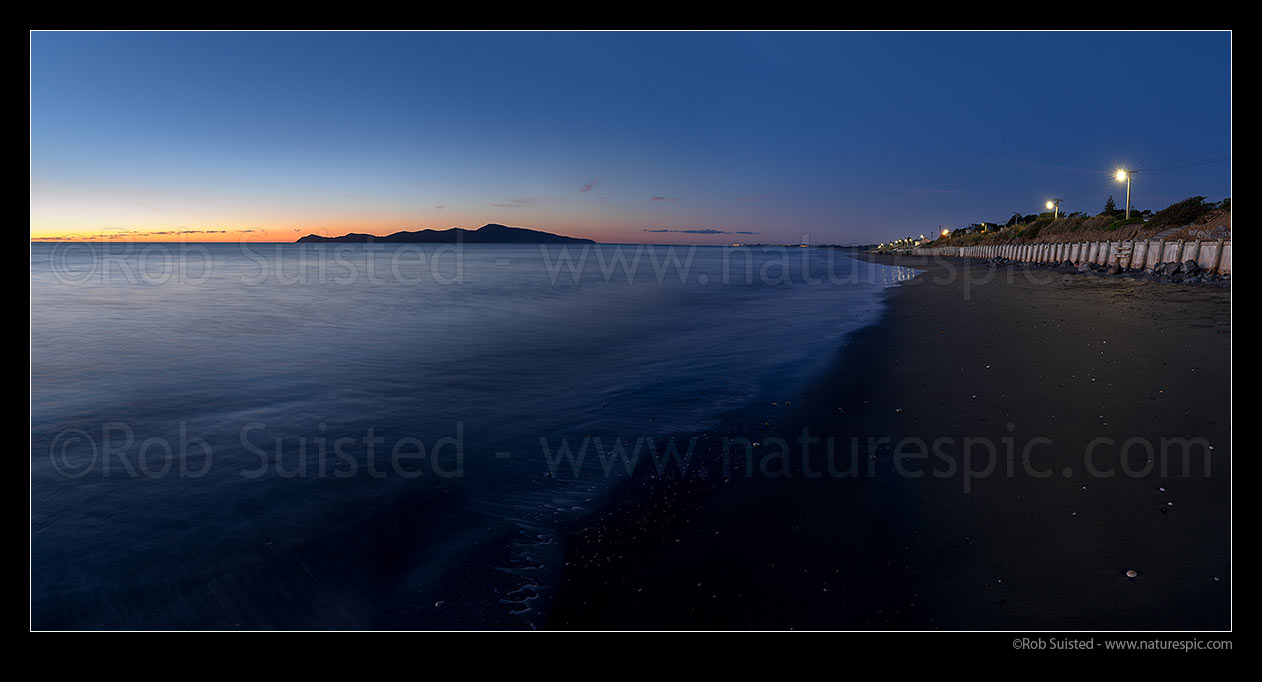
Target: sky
point(662, 137)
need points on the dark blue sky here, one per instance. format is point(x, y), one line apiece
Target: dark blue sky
point(840, 136)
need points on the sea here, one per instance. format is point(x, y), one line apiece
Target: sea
point(381, 436)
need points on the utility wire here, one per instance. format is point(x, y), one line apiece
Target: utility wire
point(1188, 161)
point(1194, 164)
point(1103, 185)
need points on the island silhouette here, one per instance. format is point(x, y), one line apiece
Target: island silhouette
point(491, 233)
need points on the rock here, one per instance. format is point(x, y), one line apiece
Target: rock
point(1190, 267)
point(1114, 269)
point(1084, 268)
point(1067, 264)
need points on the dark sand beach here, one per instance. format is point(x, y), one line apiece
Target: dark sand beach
point(1072, 367)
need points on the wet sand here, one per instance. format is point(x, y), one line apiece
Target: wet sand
point(1072, 367)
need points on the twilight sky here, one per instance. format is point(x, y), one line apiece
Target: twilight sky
point(831, 137)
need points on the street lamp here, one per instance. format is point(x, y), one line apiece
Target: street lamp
point(1126, 176)
point(1054, 205)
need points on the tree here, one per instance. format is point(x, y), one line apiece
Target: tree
point(1109, 207)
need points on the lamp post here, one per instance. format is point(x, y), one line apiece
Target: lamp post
point(1126, 175)
point(1054, 204)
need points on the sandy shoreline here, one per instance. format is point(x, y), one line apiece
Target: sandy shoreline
point(1072, 366)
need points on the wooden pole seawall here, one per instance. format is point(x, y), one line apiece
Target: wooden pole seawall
point(1213, 256)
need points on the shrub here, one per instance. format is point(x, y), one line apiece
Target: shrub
point(1183, 213)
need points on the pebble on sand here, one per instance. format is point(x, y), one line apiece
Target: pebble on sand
point(1132, 574)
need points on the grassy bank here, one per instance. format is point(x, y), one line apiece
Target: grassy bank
point(1192, 218)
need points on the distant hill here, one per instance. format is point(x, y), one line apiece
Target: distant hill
point(487, 234)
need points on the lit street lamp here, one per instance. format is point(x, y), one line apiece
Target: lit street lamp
point(1126, 175)
point(1054, 205)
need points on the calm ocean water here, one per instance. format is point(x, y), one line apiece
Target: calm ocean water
point(298, 436)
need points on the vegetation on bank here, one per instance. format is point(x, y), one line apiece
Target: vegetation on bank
point(1192, 218)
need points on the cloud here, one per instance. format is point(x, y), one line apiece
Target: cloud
point(588, 187)
point(516, 203)
point(664, 198)
point(127, 233)
point(185, 232)
point(703, 231)
point(441, 206)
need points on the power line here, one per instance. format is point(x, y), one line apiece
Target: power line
point(1177, 163)
point(1104, 183)
point(1188, 161)
point(1193, 164)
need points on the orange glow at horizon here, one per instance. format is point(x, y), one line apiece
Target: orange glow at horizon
point(290, 232)
point(92, 214)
